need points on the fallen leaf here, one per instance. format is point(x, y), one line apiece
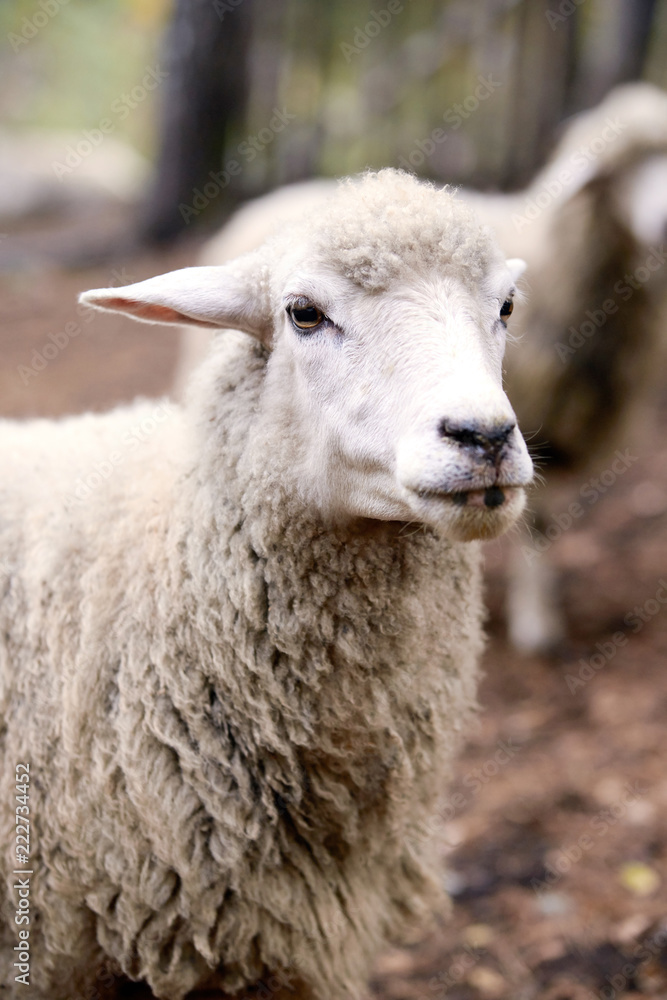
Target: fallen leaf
point(638, 878)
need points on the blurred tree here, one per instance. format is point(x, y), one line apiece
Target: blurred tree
point(546, 64)
point(364, 87)
point(204, 98)
point(615, 47)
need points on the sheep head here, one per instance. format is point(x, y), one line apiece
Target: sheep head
point(385, 316)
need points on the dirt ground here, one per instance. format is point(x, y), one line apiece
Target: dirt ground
point(555, 830)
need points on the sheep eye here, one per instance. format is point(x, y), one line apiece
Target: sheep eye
point(506, 309)
point(306, 316)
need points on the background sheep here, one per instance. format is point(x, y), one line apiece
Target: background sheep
point(596, 213)
point(592, 315)
point(237, 678)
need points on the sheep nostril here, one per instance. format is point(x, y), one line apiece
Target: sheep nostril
point(487, 439)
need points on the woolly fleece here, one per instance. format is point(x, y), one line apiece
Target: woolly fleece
point(239, 719)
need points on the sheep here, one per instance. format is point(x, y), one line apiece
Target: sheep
point(239, 665)
point(596, 212)
point(577, 380)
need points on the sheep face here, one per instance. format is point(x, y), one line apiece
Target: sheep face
point(399, 398)
point(396, 395)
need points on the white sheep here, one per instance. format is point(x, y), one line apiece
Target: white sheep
point(591, 227)
point(590, 218)
point(238, 664)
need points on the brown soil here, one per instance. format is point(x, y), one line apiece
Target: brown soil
point(557, 822)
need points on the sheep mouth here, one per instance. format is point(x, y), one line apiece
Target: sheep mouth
point(488, 498)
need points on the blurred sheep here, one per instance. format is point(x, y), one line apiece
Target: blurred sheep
point(590, 228)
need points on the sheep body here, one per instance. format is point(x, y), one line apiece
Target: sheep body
point(132, 711)
point(239, 712)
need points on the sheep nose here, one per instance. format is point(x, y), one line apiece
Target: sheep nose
point(487, 440)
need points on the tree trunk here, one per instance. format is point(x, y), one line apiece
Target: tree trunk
point(203, 102)
point(615, 49)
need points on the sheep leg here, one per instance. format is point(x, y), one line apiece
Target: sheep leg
point(534, 620)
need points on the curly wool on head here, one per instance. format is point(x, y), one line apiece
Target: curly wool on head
point(384, 226)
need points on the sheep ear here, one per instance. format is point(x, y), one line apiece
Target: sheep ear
point(516, 267)
point(233, 296)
